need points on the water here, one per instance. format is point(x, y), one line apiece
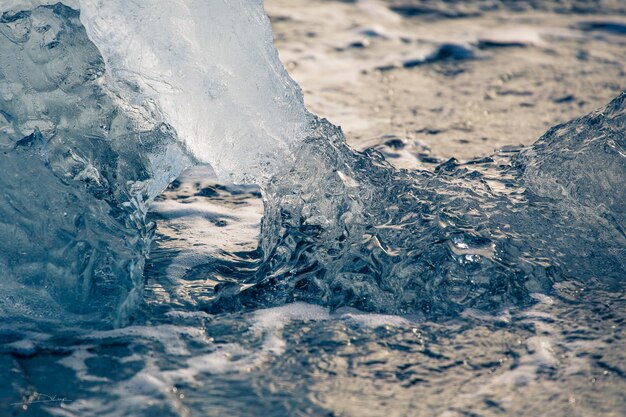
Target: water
point(492, 287)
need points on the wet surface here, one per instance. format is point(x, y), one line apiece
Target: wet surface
point(451, 79)
point(423, 82)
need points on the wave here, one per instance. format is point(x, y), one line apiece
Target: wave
point(485, 234)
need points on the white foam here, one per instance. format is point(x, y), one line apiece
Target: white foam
point(271, 321)
point(23, 347)
point(376, 320)
point(276, 318)
point(172, 338)
point(77, 361)
point(227, 358)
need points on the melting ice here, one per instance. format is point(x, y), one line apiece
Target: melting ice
point(101, 109)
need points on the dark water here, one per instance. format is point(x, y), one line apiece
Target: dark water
point(493, 287)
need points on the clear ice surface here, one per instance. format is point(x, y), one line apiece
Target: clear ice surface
point(210, 70)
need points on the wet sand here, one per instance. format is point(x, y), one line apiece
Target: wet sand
point(427, 81)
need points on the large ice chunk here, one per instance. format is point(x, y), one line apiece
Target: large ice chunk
point(77, 174)
point(95, 123)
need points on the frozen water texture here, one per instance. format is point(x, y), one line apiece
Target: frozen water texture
point(79, 173)
point(105, 129)
point(207, 68)
point(485, 234)
point(84, 148)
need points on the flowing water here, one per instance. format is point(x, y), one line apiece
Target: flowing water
point(488, 287)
